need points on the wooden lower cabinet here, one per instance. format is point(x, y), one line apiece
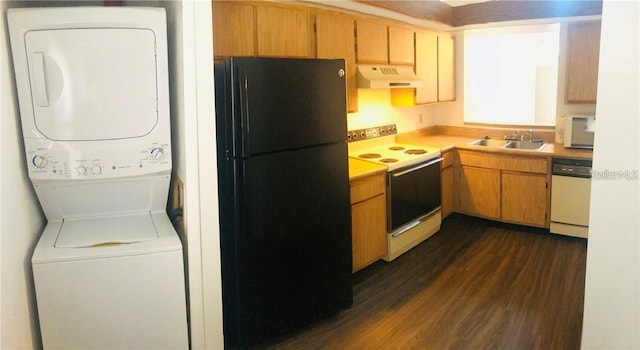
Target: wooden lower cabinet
point(479, 192)
point(447, 183)
point(368, 220)
point(524, 198)
point(447, 191)
point(368, 233)
point(507, 188)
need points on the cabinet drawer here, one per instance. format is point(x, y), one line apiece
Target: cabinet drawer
point(368, 187)
point(536, 165)
point(447, 159)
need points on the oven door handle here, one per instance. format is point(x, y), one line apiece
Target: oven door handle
point(420, 166)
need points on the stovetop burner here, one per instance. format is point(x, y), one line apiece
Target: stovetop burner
point(370, 155)
point(393, 155)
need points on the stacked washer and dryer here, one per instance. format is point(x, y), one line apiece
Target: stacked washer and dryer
point(94, 102)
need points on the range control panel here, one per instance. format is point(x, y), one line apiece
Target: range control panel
point(371, 133)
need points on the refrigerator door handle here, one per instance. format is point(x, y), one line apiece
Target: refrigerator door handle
point(243, 199)
point(244, 110)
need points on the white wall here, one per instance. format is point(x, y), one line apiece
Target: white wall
point(612, 293)
point(193, 122)
point(21, 218)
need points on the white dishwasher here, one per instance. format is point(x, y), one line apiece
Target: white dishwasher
point(570, 196)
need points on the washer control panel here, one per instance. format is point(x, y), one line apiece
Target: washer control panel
point(58, 163)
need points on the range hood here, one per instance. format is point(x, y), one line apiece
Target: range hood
point(385, 77)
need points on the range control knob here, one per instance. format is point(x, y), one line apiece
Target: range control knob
point(82, 170)
point(157, 153)
point(96, 170)
point(39, 161)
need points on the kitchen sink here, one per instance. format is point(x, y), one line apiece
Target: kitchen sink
point(513, 144)
point(490, 142)
point(525, 145)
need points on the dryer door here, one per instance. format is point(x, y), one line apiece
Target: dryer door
point(93, 84)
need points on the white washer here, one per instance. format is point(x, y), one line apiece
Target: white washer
point(94, 101)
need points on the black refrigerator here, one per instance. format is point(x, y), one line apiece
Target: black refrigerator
point(285, 220)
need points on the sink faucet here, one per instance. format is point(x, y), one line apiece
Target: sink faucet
point(530, 133)
point(514, 136)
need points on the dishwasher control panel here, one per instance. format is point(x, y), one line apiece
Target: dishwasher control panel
point(571, 167)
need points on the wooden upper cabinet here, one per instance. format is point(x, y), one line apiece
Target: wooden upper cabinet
point(233, 29)
point(335, 38)
point(401, 46)
point(283, 32)
point(583, 50)
point(435, 65)
point(446, 68)
point(427, 66)
point(372, 42)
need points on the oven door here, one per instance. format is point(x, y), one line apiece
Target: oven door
point(412, 192)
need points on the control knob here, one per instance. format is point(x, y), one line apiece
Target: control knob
point(96, 170)
point(39, 161)
point(157, 153)
point(82, 170)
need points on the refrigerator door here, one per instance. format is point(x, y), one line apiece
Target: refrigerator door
point(282, 104)
point(288, 263)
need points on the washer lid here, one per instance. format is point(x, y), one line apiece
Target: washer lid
point(106, 231)
point(92, 84)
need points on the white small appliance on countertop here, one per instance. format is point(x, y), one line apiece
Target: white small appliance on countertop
point(579, 131)
point(94, 101)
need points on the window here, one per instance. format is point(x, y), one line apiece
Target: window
point(511, 75)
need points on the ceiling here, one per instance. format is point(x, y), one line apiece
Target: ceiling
point(458, 13)
point(455, 3)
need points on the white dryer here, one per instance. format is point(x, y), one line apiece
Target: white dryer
point(94, 102)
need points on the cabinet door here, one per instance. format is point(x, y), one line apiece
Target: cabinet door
point(583, 50)
point(369, 236)
point(446, 68)
point(524, 198)
point(401, 46)
point(479, 192)
point(283, 32)
point(335, 39)
point(372, 42)
point(447, 191)
point(233, 29)
point(427, 66)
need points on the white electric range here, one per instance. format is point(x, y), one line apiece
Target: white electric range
point(413, 185)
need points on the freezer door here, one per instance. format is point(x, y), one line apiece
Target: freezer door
point(291, 260)
point(283, 104)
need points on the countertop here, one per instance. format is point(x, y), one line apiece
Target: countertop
point(448, 142)
point(361, 168)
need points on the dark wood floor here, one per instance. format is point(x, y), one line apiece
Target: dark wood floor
point(476, 284)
